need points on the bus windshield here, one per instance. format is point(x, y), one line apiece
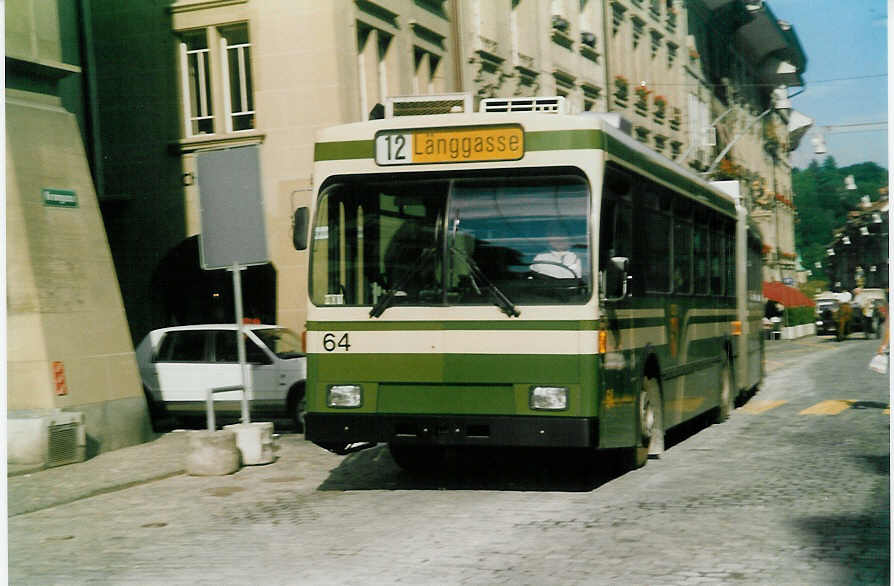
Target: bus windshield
point(452, 241)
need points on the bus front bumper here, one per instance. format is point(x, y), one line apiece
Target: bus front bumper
point(452, 430)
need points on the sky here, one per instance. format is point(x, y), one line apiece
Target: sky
point(846, 80)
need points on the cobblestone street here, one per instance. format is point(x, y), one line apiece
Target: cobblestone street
point(784, 492)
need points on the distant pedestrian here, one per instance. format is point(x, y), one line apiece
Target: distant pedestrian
point(879, 362)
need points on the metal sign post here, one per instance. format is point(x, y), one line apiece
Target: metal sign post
point(247, 384)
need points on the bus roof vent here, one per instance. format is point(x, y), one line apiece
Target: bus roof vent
point(426, 105)
point(550, 104)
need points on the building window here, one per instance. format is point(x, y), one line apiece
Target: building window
point(638, 29)
point(216, 76)
point(196, 72)
point(376, 65)
point(656, 42)
point(237, 78)
point(671, 53)
point(427, 76)
point(617, 17)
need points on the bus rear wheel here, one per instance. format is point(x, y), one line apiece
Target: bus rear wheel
point(727, 402)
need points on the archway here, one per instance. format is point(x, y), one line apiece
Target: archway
point(184, 293)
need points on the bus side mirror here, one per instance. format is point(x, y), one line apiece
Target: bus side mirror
point(615, 278)
point(299, 228)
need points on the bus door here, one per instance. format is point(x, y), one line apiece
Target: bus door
point(618, 383)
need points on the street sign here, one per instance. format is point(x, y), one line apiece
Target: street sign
point(231, 207)
point(59, 198)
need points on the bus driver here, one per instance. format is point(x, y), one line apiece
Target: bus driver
point(559, 262)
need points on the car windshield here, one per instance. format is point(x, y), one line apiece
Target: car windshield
point(282, 341)
point(452, 241)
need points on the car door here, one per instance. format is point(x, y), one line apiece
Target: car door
point(180, 364)
point(262, 368)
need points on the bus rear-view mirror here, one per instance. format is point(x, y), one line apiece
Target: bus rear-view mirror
point(615, 279)
point(299, 228)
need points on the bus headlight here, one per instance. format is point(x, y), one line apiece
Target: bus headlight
point(344, 396)
point(549, 398)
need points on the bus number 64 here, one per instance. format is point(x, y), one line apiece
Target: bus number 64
point(332, 342)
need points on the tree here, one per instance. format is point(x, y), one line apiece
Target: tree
point(824, 202)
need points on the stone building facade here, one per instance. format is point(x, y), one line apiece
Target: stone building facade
point(692, 77)
point(68, 343)
point(171, 80)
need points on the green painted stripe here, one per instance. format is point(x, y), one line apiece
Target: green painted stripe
point(448, 368)
point(557, 140)
point(550, 140)
point(341, 150)
point(385, 326)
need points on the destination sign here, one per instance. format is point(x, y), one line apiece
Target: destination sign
point(450, 145)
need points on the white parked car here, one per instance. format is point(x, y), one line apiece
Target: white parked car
point(178, 365)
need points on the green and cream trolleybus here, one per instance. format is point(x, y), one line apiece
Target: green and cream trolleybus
point(519, 276)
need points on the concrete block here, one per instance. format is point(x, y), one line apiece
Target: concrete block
point(255, 441)
point(212, 453)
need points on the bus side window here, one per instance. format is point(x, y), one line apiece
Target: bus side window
point(700, 258)
point(730, 262)
point(682, 256)
point(616, 231)
point(717, 259)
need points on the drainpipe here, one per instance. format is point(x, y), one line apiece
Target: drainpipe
point(458, 55)
point(606, 31)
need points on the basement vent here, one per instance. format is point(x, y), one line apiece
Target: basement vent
point(427, 105)
point(551, 105)
point(62, 444)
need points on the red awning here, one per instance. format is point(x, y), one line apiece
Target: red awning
point(786, 295)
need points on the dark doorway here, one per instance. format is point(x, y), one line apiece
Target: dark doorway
point(183, 293)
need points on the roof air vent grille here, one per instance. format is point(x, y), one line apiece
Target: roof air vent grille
point(551, 105)
point(428, 105)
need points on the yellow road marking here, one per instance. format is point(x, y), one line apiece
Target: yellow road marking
point(761, 406)
point(828, 408)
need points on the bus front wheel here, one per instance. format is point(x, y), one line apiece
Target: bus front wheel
point(649, 426)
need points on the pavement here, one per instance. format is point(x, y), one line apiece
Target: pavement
point(160, 458)
point(165, 456)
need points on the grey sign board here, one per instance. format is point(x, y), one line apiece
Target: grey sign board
point(232, 208)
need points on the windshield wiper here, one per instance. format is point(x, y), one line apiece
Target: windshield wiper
point(386, 299)
point(497, 296)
